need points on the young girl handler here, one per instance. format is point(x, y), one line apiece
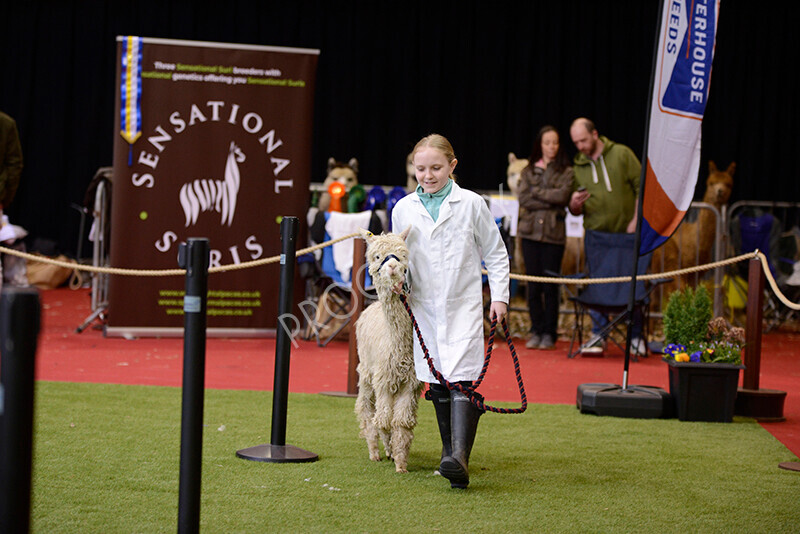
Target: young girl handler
point(452, 230)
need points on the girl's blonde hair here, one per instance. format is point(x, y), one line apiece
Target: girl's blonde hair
point(438, 142)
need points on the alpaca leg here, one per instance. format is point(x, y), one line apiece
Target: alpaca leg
point(405, 407)
point(365, 410)
point(386, 438)
point(383, 410)
point(382, 421)
point(403, 422)
point(401, 443)
point(370, 433)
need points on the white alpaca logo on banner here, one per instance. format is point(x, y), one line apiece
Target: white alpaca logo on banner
point(214, 195)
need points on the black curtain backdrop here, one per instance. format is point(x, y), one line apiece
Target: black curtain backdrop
point(485, 74)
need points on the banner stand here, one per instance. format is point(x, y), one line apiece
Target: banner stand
point(210, 139)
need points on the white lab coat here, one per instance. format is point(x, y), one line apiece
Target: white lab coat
point(445, 278)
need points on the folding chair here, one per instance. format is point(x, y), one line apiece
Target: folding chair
point(756, 229)
point(331, 288)
point(610, 255)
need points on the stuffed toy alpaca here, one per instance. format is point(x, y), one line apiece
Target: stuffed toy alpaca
point(388, 389)
point(344, 173)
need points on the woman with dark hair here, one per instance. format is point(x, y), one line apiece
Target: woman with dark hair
point(544, 191)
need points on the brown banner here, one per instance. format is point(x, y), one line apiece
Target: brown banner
point(222, 149)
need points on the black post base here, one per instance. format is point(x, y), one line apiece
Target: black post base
point(276, 454)
point(643, 402)
point(761, 404)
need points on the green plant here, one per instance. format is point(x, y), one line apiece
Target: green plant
point(687, 315)
point(691, 334)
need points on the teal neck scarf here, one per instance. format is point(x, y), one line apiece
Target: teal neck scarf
point(433, 201)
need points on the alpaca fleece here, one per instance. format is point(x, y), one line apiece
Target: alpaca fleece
point(388, 390)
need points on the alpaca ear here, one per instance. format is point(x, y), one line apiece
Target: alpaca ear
point(712, 167)
point(731, 168)
point(366, 235)
point(404, 233)
point(353, 163)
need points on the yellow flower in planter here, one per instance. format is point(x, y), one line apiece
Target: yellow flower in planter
point(693, 336)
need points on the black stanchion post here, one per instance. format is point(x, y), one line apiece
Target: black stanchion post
point(193, 256)
point(277, 450)
point(19, 332)
point(283, 339)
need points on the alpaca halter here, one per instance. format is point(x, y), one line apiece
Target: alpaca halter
point(387, 259)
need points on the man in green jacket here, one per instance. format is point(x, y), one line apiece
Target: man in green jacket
point(605, 192)
point(609, 174)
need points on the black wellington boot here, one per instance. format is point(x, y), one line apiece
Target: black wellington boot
point(463, 424)
point(440, 396)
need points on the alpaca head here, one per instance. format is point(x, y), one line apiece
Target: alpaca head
point(514, 172)
point(387, 256)
point(719, 184)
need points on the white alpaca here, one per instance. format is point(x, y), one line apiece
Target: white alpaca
point(388, 389)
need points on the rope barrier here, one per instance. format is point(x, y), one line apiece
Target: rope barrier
point(514, 276)
point(774, 285)
point(671, 274)
point(166, 272)
point(617, 279)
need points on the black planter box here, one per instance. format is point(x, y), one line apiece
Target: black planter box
point(704, 391)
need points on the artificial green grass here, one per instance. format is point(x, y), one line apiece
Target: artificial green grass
point(107, 459)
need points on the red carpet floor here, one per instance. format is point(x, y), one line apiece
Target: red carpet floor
point(550, 377)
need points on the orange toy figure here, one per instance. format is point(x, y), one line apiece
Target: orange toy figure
point(336, 191)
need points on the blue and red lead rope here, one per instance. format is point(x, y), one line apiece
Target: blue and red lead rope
point(474, 397)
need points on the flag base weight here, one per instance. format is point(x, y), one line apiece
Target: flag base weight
point(643, 402)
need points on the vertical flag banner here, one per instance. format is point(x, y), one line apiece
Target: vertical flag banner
point(131, 92)
point(687, 37)
point(215, 142)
